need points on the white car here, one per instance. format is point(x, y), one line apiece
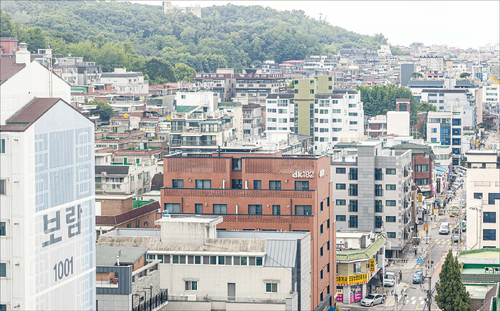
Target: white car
point(372, 299)
point(390, 279)
point(444, 229)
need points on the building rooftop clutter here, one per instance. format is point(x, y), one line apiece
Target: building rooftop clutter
point(118, 255)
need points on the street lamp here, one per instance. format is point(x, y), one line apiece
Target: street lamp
point(479, 235)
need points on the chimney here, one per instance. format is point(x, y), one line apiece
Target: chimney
point(23, 56)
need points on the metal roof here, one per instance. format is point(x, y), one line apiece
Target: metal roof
point(112, 169)
point(364, 253)
point(107, 255)
point(281, 253)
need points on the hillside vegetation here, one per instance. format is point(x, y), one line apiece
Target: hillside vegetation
point(129, 34)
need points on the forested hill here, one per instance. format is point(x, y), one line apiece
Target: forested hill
point(231, 35)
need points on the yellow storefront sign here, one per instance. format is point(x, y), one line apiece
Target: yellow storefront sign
point(372, 264)
point(420, 198)
point(352, 279)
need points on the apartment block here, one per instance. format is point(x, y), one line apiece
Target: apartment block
point(260, 191)
point(372, 192)
point(124, 82)
point(483, 199)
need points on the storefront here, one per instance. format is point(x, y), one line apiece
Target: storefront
point(352, 288)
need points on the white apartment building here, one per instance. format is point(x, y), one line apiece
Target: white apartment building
point(431, 63)
point(124, 179)
point(336, 116)
point(372, 191)
point(195, 101)
point(168, 7)
point(491, 94)
point(443, 98)
point(483, 199)
point(206, 269)
point(253, 125)
point(47, 256)
point(124, 82)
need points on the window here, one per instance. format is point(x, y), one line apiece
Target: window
point(177, 183)
point(422, 181)
point(456, 131)
point(390, 202)
point(456, 122)
point(357, 267)
point(3, 229)
point(236, 183)
point(198, 208)
point(378, 221)
point(276, 210)
point(478, 195)
point(378, 190)
point(129, 225)
point(378, 206)
point(255, 209)
point(203, 183)
point(321, 276)
point(422, 168)
point(390, 171)
point(340, 187)
point(488, 235)
point(491, 197)
point(390, 218)
point(339, 202)
point(311, 91)
point(434, 130)
point(220, 208)
point(236, 164)
point(321, 229)
point(340, 218)
point(340, 170)
point(390, 187)
point(488, 217)
point(271, 287)
point(353, 174)
point(257, 184)
point(302, 210)
point(353, 205)
point(353, 189)
point(191, 285)
point(391, 235)
point(137, 223)
point(172, 207)
point(321, 251)
point(2, 186)
point(2, 145)
point(3, 270)
point(353, 221)
point(301, 185)
point(378, 174)
point(275, 184)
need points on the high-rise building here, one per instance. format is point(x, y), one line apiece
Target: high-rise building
point(372, 192)
point(315, 109)
point(483, 199)
point(47, 235)
point(258, 191)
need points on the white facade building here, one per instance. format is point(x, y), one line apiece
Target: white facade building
point(398, 123)
point(443, 98)
point(124, 82)
point(199, 101)
point(46, 193)
point(491, 93)
point(483, 199)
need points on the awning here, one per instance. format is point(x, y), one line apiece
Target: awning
point(424, 188)
point(374, 281)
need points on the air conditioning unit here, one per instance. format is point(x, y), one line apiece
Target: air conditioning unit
point(191, 297)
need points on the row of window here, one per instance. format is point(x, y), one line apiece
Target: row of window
point(253, 209)
point(491, 197)
point(208, 260)
point(237, 184)
point(193, 286)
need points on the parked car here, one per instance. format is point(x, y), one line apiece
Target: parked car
point(390, 279)
point(455, 236)
point(372, 299)
point(464, 225)
point(444, 228)
point(418, 277)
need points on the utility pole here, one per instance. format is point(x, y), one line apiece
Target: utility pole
point(429, 267)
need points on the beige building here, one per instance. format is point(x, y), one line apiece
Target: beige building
point(483, 199)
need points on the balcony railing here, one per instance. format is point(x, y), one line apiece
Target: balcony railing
point(269, 219)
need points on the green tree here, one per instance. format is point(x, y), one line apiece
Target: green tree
point(464, 75)
point(6, 29)
point(159, 70)
point(104, 110)
point(416, 75)
point(183, 72)
point(451, 292)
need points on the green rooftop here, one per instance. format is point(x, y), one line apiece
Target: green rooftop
point(185, 109)
point(139, 203)
point(363, 253)
point(492, 253)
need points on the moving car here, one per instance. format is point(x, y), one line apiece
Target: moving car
point(390, 279)
point(444, 228)
point(372, 299)
point(464, 225)
point(418, 277)
point(455, 236)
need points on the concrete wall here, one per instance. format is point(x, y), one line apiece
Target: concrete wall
point(398, 122)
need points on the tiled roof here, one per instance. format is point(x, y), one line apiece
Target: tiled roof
point(27, 115)
point(364, 253)
point(127, 216)
point(9, 68)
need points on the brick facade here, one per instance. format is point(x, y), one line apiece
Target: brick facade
point(239, 215)
point(112, 207)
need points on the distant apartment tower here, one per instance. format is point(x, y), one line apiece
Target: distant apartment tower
point(406, 71)
point(372, 192)
point(168, 7)
point(47, 235)
point(315, 109)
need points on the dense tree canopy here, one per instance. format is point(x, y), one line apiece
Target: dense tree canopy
point(451, 292)
point(104, 110)
point(225, 36)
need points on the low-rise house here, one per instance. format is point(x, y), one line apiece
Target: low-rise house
point(124, 179)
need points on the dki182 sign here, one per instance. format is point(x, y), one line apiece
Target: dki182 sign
point(304, 174)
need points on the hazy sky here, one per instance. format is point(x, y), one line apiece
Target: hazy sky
point(455, 23)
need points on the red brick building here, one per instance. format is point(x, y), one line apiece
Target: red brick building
point(261, 192)
point(8, 45)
